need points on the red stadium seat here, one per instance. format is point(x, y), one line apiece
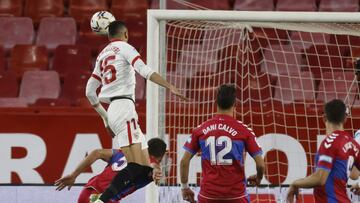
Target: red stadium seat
point(16, 30)
point(194, 59)
point(339, 5)
point(254, 5)
point(2, 60)
point(293, 88)
point(55, 31)
point(74, 86)
point(337, 85)
point(89, 38)
point(322, 58)
point(129, 9)
point(40, 84)
point(9, 86)
point(255, 88)
point(194, 4)
point(82, 10)
point(13, 102)
point(37, 9)
point(11, 8)
point(72, 58)
point(306, 39)
point(294, 5)
point(282, 59)
point(51, 103)
point(28, 57)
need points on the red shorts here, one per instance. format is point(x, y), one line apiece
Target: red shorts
point(202, 199)
point(84, 196)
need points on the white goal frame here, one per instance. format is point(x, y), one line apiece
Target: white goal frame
point(157, 61)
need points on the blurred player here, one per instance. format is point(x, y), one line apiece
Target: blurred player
point(115, 71)
point(116, 162)
point(222, 141)
point(335, 159)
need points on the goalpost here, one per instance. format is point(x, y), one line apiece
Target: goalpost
point(285, 65)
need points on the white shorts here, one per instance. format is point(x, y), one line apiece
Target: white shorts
point(123, 121)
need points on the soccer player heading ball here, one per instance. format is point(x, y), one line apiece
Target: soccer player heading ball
point(115, 71)
point(335, 159)
point(222, 141)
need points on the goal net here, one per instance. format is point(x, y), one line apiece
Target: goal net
point(284, 72)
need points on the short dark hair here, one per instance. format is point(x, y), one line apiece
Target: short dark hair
point(226, 96)
point(335, 111)
point(157, 147)
point(115, 27)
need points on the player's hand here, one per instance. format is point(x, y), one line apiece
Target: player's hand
point(176, 91)
point(67, 181)
point(253, 180)
point(292, 192)
point(157, 174)
point(355, 189)
point(188, 195)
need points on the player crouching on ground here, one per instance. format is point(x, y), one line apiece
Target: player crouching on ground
point(335, 159)
point(116, 162)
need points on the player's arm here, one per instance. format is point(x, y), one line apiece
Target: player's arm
point(133, 57)
point(354, 174)
point(69, 180)
point(254, 149)
point(260, 168)
point(187, 193)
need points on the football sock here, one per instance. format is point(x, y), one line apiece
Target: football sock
point(128, 176)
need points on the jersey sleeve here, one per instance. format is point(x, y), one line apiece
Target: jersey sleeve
point(134, 58)
point(97, 72)
point(326, 156)
point(251, 144)
point(192, 144)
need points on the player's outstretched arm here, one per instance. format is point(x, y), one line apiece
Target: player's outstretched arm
point(69, 180)
point(316, 179)
point(255, 180)
point(187, 193)
point(156, 78)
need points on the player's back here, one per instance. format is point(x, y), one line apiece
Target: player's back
point(223, 141)
point(337, 154)
point(114, 69)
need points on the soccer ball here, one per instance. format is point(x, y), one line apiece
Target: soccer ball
point(100, 22)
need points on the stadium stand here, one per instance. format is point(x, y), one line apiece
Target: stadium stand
point(28, 57)
point(339, 5)
point(39, 84)
point(59, 46)
point(81, 10)
point(254, 5)
point(9, 86)
point(55, 31)
point(38, 9)
point(294, 5)
point(11, 8)
point(19, 30)
point(72, 58)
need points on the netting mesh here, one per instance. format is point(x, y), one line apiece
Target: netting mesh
point(283, 73)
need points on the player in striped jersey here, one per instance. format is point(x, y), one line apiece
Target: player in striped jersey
point(335, 159)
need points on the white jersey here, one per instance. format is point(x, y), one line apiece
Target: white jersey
point(115, 68)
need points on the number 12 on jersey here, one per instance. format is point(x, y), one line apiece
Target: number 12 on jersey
point(217, 158)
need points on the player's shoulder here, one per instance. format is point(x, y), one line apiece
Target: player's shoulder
point(336, 140)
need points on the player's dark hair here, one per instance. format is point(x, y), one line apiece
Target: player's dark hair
point(226, 96)
point(157, 147)
point(335, 111)
point(115, 27)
